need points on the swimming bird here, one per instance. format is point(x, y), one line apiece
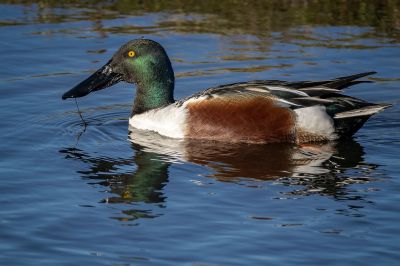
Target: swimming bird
point(258, 111)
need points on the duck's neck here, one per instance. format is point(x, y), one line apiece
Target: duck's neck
point(153, 95)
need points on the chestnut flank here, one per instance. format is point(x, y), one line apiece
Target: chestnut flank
point(252, 120)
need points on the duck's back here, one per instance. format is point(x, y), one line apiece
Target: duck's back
point(264, 111)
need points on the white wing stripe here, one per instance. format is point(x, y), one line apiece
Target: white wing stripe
point(279, 88)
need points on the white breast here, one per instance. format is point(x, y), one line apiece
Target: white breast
point(167, 121)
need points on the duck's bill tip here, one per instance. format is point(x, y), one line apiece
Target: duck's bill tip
point(78, 91)
point(67, 96)
point(101, 79)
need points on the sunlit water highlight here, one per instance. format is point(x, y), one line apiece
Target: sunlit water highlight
point(105, 194)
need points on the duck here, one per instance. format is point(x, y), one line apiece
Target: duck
point(257, 111)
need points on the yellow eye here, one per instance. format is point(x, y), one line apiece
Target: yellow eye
point(131, 53)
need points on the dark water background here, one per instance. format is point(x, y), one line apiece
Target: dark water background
point(71, 195)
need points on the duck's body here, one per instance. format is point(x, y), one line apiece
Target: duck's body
point(262, 111)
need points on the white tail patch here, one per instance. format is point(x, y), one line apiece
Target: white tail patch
point(315, 120)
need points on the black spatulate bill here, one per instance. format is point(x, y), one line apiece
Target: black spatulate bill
point(101, 79)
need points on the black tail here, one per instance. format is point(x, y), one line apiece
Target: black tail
point(349, 122)
point(344, 82)
point(337, 83)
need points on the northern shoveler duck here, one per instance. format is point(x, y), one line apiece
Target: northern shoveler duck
point(259, 111)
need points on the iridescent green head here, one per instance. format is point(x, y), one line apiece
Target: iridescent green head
point(143, 62)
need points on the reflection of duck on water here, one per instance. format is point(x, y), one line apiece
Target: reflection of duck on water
point(143, 182)
point(232, 161)
point(146, 175)
point(318, 168)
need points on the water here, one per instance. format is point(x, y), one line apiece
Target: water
point(96, 195)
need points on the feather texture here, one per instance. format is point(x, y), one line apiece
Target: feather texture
point(263, 111)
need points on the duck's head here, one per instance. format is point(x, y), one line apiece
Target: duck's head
point(143, 62)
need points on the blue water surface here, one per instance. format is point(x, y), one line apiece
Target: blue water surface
point(72, 194)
